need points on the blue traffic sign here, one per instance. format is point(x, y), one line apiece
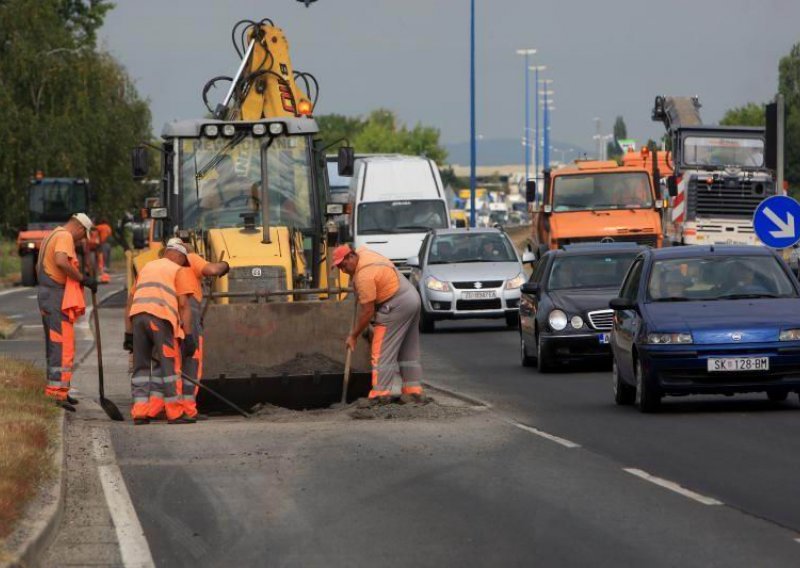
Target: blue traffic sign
point(777, 221)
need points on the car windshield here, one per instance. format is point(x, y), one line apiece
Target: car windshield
point(337, 183)
point(718, 278)
point(727, 151)
point(221, 181)
point(390, 217)
point(471, 247)
point(602, 191)
point(54, 202)
point(589, 271)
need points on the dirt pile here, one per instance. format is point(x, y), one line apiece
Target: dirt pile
point(305, 364)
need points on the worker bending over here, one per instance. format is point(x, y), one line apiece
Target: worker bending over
point(192, 366)
point(60, 298)
point(159, 316)
point(391, 303)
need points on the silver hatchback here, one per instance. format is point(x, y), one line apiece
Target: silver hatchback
point(467, 273)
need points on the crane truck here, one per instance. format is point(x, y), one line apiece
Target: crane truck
point(719, 176)
point(249, 186)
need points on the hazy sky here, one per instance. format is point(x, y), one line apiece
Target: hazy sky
point(605, 57)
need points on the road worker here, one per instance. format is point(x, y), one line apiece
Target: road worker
point(60, 295)
point(104, 254)
point(390, 302)
point(192, 366)
point(159, 317)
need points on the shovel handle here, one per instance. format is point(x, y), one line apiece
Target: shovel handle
point(348, 357)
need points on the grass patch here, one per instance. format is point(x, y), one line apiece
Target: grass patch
point(9, 261)
point(27, 429)
point(7, 325)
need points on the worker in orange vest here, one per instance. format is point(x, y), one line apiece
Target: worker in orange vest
point(193, 365)
point(388, 300)
point(159, 317)
point(104, 251)
point(56, 269)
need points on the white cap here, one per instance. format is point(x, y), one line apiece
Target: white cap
point(175, 241)
point(84, 220)
point(177, 245)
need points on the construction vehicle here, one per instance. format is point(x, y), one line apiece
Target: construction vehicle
point(594, 201)
point(719, 176)
point(248, 186)
point(51, 202)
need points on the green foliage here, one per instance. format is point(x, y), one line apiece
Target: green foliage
point(65, 107)
point(620, 129)
point(789, 87)
point(751, 114)
point(380, 133)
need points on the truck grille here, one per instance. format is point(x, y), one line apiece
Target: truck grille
point(257, 278)
point(469, 305)
point(732, 198)
point(601, 320)
point(643, 239)
point(483, 284)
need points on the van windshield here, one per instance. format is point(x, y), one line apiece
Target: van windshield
point(630, 190)
point(390, 217)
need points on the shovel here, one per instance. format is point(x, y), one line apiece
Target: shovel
point(108, 407)
point(217, 395)
point(348, 357)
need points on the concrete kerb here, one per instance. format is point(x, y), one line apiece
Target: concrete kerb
point(12, 332)
point(457, 395)
point(38, 527)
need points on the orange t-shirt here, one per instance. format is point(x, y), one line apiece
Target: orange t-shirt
point(185, 282)
point(375, 279)
point(103, 231)
point(196, 265)
point(61, 241)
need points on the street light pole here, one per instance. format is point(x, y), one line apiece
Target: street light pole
point(472, 144)
point(546, 150)
point(527, 53)
point(536, 69)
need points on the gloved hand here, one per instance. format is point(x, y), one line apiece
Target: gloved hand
point(127, 344)
point(90, 282)
point(188, 346)
point(227, 268)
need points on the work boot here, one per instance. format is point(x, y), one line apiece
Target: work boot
point(65, 405)
point(416, 398)
point(73, 400)
point(140, 421)
point(184, 419)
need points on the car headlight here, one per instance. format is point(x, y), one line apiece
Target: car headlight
point(30, 245)
point(790, 335)
point(557, 320)
point(432, 283)
point(516, 282)
point(576, 322)
point(669, 338)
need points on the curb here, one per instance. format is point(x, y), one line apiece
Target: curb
point(39, 526)
point(459, 396)
point(14, 330)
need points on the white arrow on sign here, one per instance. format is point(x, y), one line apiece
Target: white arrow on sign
point(785, 228)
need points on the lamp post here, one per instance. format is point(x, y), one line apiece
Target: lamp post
point(546, 150)
point(536, 69)
point(472, 144)
point(527, 53)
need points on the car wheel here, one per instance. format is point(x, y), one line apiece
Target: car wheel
point(543, 364)
point(426, 322)
point(648, 399)
point(527, 360)
point(624, 393)
point(777, 396)
point(512, 320)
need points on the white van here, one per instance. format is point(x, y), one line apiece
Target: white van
point(398, 199)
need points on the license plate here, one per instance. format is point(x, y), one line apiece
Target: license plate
point(604, 337)
point(484, 295)
point(738, 364)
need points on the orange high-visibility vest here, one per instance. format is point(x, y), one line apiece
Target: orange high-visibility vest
point(155, 292)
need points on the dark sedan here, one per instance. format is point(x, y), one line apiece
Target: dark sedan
point(564, 313)
point(706, 320)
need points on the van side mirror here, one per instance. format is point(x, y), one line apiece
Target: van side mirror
point(672, 186)
point(346, 161)
point(530, 191)
point(140, 162)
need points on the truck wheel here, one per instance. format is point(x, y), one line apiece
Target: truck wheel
point(28, 270)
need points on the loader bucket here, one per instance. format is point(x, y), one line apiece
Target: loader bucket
point(290, 354)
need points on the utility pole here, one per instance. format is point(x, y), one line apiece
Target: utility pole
point(546, 136)
point(472, 144)
point(536, 69)
point(780, 134)
point(525, 144)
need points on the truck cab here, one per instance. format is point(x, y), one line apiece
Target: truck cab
point(595, 201)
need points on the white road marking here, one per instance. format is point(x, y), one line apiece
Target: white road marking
point(673, 487)
point(12, 290)
point(558, 440)
point(31, 297)
point(797, 540)
point(132, 543)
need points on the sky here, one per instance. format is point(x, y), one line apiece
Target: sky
point(605, 58)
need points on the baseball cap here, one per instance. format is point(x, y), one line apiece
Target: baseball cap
point(84, 220)
point(340, 253)
point(177, 245)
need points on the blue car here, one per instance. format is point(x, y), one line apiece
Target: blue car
point(705, 320)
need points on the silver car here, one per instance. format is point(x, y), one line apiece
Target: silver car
point(467, 273)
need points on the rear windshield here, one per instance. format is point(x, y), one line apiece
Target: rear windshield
point(718, 278)
point(471, 247)
point(389, 217)
point(589, 271)
point(55, 202)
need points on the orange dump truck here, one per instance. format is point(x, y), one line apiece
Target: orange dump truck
point(595, 201)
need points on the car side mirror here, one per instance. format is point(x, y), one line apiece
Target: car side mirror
point(344, 232)
point(140, 162)
point(140, 234)
point(530, 191)
point(531, 288)
point(528, 257)
point(413, 261)
point(346, 161)
point(622, 304)
point(672, 186)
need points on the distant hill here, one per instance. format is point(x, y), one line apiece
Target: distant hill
point(503, 151)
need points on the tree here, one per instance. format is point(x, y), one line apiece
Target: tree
point(789, 87)
point(620, 130)
point(751, 114)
